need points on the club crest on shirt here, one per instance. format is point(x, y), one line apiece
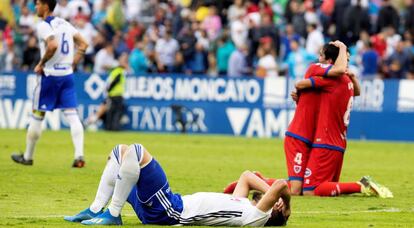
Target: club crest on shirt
point(308, 172)
point(297, 168)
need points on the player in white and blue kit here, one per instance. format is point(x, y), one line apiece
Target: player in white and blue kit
point(132, 175)
point(55, 88)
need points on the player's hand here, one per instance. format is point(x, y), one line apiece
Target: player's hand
point(338, 44)
point(294, 96)
point(280, 205)
point(38, 69)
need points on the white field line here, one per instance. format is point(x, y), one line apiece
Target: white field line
point(388, 210)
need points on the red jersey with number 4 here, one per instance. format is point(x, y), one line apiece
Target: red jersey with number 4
point(334, 112)
point(303, 124)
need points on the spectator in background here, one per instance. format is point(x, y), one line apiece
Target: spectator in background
point(387, 16)
point(315, 40)
point(338, 17)
point(298, 61)
point(392, 40)
point(239, 30)
point(364, 38)
point(27, 23)
point(62, 10)
point(379, 42)
point(266, 66)
point(3, 22)
point(236, 10)
point(105, 59)
point(224, 50)
point(31, 54)
point(268, 29)
point(356, 19)
point(199, 65)
point(298, 18)
point(87, 31)
point(238, 62)
point(369, 61)
point(202, 38)
point(212, 23)
point(3, 51)
point(10, 60)
point(135, 31)
point(187, 41)
point(138, 62)
point(287, 38)
point(165, 50)
point(119, 44)
point(409, 16)
point(78, 6)
point(397, 65)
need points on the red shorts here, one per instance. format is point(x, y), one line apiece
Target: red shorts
point(324, 165)
point(297, 154)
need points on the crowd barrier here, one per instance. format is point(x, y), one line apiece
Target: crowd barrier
point(245, 106)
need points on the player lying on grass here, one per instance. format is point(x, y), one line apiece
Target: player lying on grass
point(366, 185)
point(132, 175)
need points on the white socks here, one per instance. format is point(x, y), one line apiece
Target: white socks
point(76, 130)
point(107, 183)
point(127, 178)
point(33, 133)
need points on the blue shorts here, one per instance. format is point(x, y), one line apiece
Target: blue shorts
point(55, 92)
point(152, 199)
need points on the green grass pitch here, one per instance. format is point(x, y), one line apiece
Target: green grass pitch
point(40, 195)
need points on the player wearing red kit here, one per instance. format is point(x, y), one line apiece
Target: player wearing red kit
point(300, 133)
point(326, 156)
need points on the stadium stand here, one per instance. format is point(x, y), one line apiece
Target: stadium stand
point(261, 37)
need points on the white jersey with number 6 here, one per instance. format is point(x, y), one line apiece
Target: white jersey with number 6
point(61, 62)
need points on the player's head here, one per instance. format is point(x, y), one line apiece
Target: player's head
point(328, 53)
point(44, 7)
point(277, 218)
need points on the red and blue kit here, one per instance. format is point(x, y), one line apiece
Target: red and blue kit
point(301, 131)
point(329, 143)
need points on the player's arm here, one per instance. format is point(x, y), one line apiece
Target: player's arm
point(51, 47)
point(341, 63)
point(82, 45)
point(355, 82)
point(249, 181)
point(279, 189)
point(315, 82)
point(305, 83)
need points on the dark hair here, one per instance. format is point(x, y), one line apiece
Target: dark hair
point(50, 3)
point(276, 219)
point(330, 51)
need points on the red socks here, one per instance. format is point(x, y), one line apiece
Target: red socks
point(336, 189)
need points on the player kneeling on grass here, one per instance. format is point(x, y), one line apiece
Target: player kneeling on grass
point(366, 185)
point(132, 175)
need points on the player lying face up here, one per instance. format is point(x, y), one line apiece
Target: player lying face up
point(132, 175)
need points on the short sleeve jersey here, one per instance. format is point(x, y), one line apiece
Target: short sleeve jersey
point(61, 62)
point(303, 124)
point(334, 112)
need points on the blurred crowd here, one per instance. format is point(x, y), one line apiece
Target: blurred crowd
point(228, 38)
